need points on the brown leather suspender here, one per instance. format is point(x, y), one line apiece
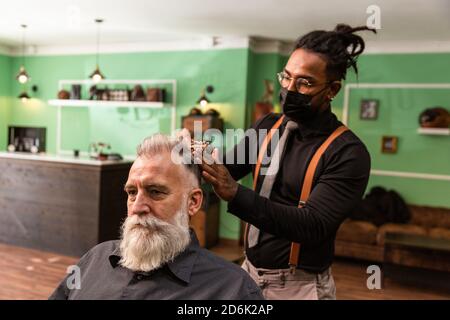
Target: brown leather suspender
point(307, 182)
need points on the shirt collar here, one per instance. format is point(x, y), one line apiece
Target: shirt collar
point(324, 123)
point(181, 266)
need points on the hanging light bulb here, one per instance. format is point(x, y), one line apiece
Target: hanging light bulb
point(23, 76)
point(24, 96)
point(203, 100)
point(97, 76)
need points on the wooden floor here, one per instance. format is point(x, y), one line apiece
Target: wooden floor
point(31, 274)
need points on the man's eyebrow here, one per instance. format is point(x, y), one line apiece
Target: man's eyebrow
point(307, 77)
point(155, 185)
point(128, 186)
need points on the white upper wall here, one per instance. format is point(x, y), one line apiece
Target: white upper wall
point(60, 26)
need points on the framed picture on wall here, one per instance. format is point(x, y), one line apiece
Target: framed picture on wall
point(389, 144)
point(368, 109)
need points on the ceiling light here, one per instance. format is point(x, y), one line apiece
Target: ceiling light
point(23, 76)
point(97, 76)
point(203, 100)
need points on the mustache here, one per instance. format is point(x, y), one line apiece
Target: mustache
point(149, 222)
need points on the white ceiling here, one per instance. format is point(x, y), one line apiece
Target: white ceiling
point(71, 22)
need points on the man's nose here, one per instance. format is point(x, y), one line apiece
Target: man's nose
point(139, 206)
point(291, 86)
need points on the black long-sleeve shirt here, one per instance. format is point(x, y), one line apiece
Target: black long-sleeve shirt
point(339, 183)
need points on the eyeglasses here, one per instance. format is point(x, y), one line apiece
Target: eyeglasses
point(301, 84)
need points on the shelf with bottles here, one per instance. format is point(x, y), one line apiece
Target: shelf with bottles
point(116, 93)
point(82, 94)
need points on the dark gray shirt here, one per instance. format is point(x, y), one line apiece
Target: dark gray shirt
point(196, 273)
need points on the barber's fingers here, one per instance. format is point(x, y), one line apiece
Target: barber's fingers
point(210, 178)
point(210, 170)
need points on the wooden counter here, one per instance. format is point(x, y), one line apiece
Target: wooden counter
point(60, 204)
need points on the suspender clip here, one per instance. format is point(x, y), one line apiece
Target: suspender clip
point(292, 269)
point(301, 203)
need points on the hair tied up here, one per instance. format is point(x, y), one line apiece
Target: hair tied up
point(346, 29)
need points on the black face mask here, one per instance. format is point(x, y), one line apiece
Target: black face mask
point(297, 106)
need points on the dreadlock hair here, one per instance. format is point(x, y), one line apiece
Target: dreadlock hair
point(341, 48)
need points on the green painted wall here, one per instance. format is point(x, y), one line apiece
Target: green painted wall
point(5, 93)
point(262, 66)
point(398, 116)
point(238, 75)
point(124, 128)
point(224, 69)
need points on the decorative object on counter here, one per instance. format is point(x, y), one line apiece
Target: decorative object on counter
point(264, 105)
point(137, 94)
point(203, 100)
point(436, 117)
point(76, 153)
point(369, 109)
point(97, 76)
point(23, 76)
point(389, 144)
point(11, 148)
point(75, 93)
point(114, 156)
point(63, 94)
point(27, 139)
point(97, 150)
point(156, 94)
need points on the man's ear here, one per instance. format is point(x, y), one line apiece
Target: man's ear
point(335, 86)
point(195, 201)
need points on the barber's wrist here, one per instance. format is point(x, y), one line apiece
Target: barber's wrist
point(241, 201)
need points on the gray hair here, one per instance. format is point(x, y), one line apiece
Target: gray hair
point(160, 143)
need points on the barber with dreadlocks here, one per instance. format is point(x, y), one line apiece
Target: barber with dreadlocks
point(317, 173)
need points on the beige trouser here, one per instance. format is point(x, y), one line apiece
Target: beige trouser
point(280, 284)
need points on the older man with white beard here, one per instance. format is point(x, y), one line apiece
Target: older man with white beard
point(158, 256)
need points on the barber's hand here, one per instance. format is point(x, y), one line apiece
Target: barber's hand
point(217, 174)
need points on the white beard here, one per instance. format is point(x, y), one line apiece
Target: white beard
point(148, 242)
